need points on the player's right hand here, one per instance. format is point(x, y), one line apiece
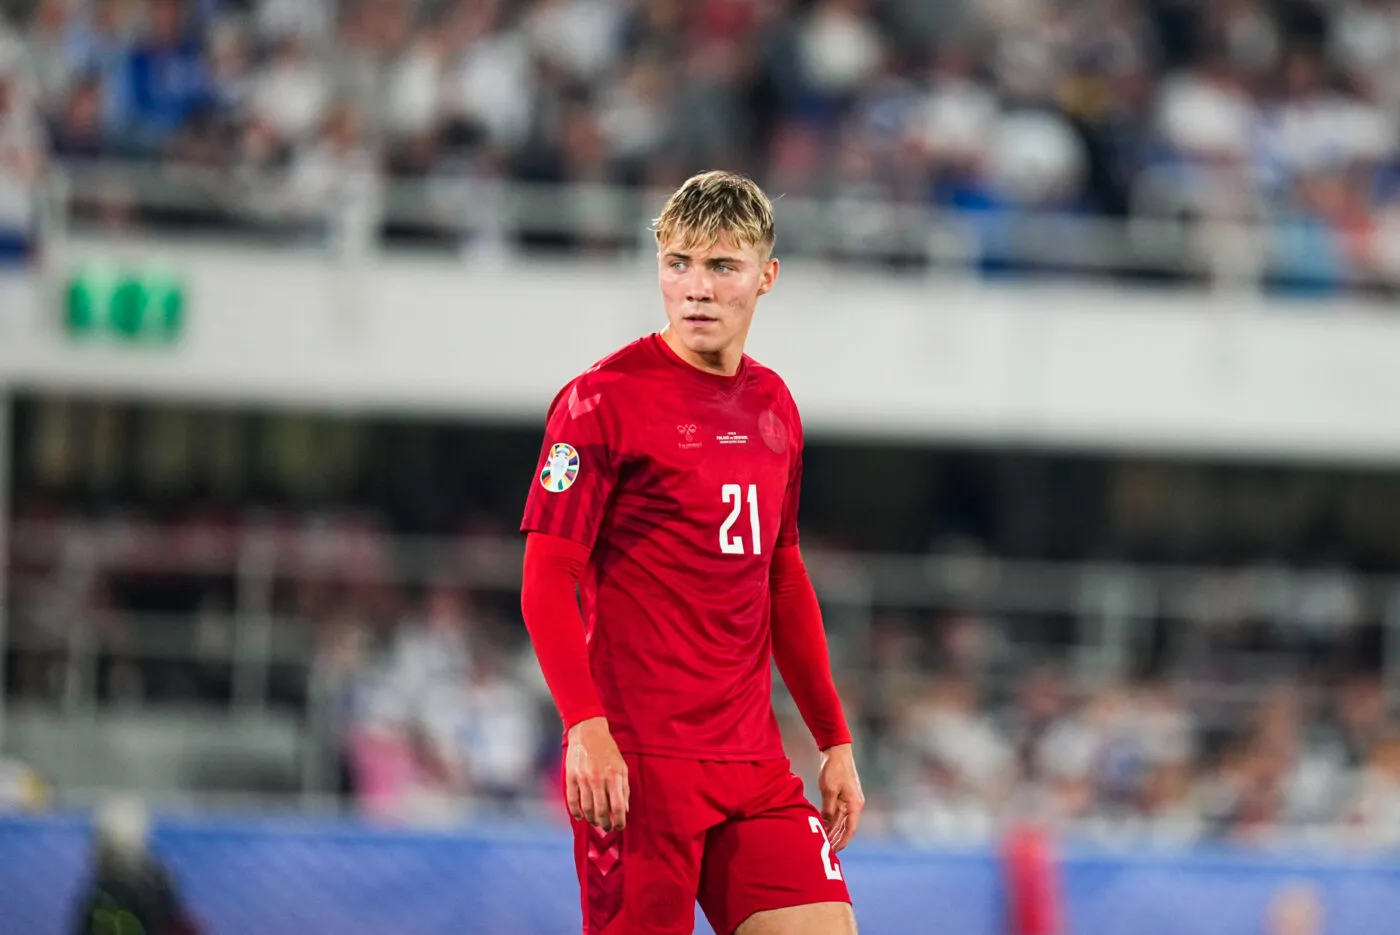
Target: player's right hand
point(595, 776)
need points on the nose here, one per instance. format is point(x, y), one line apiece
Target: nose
point(700, 286)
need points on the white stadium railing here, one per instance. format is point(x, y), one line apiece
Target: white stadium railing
point(1168, 234)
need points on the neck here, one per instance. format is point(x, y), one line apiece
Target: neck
point(724, 362)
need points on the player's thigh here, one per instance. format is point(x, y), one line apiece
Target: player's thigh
point(775, 859)
point(812, 919)
point(643, 880)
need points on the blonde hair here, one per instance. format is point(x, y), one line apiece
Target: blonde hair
point(715, 204)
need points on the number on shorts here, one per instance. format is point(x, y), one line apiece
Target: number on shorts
point(833, 872)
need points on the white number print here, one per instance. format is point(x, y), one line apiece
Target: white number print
point(734, 545)
point(833, 872)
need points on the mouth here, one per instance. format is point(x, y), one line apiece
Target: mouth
point(700, 318)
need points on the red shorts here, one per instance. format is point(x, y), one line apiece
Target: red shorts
point(739, 837)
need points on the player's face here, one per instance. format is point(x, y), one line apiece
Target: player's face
point(710, 295)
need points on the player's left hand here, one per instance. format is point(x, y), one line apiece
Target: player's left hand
point(842, 798)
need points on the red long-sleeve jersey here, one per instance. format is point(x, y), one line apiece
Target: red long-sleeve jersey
point(682, 485)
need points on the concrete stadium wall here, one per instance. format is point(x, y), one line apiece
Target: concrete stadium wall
point(1056, 364)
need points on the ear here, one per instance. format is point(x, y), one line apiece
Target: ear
point(770, 275)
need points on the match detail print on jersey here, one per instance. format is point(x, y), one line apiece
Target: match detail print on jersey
point(561, 469)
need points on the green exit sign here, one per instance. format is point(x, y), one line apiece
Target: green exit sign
point(130, 304)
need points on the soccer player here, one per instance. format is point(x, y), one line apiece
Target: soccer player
point(667, 493)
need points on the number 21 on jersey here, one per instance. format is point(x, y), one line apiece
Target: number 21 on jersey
point(731, 544)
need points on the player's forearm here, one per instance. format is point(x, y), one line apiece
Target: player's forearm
point(549, 603)
point(800, 649)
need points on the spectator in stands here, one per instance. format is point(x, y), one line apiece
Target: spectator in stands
point(22, 156)
point(99, 40)
point(1165, 730)
point(840, 50)
point(311, 21)
point(1098, 761)
point(1374, 810)
point(1361, 717)
point(491, 82)
point(932, 803)
point(22, 159)
point(290, 95)
point(50, 62)
point(1167, 807)
point(167, 78)
point(433, 649)
point(1040, 704)
point(957, 768)
point(395, 777)
point(331, 173)
point(231, 75)
point(131, 889)
point(79, 131)
point(954, 121)
point(487, 731)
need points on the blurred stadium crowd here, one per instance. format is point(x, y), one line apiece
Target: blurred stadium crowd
point(1275, 111)
point(381, 557)
point(432, 708)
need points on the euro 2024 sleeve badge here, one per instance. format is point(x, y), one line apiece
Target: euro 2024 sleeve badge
point(560, 469)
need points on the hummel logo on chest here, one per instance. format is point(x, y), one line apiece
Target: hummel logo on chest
point(687, 432)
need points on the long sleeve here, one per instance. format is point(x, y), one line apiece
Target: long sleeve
point(800, 649)
point(549, 602)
